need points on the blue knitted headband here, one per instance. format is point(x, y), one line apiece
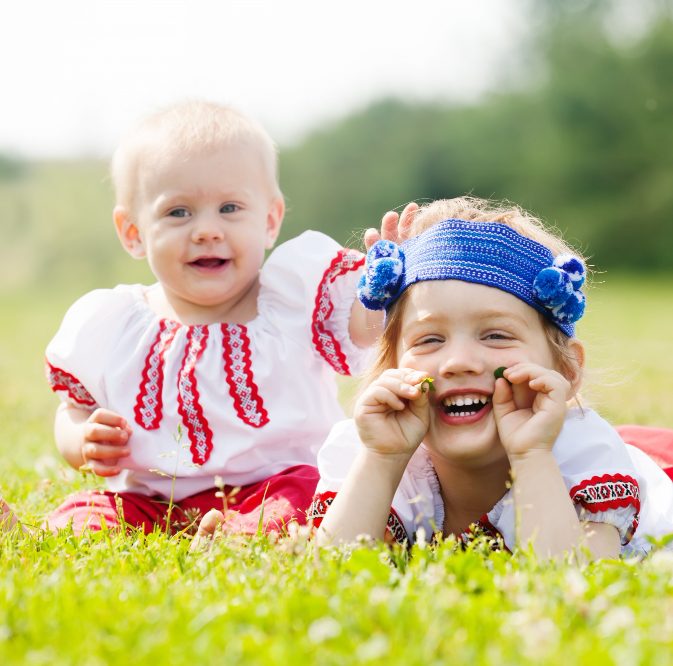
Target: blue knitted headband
point(488, 253)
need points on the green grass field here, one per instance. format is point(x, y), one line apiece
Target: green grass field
point(128, 599)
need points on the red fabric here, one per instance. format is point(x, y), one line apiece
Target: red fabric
point(656, 442)
point(285, 497)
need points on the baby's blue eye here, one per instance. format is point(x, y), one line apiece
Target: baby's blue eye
point(178, 212)
point(228, 208)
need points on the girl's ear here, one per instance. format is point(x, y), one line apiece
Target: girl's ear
point(128, 232)
point(575, 363)
point(274, 219)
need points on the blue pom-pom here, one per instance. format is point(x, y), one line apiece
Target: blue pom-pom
point(573, 267)
point(379, 284)
point(572, 310)
point(552, 286)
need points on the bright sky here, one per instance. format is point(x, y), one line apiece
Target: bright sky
point(75, 73)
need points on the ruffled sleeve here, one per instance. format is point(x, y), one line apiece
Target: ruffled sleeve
point(601, 478)
point(79, 352)
point(311, 281)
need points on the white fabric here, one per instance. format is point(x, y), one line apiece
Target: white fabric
point(106, 336)
point(587, 447)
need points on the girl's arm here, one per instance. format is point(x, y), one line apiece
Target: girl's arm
point(392, 417)
point(545, 513)
point(529, 409)
point(96, 439)
point(365, 325)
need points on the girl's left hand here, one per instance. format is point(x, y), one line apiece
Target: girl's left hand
point(529, 407)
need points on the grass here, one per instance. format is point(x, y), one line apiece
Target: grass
point(113, 598)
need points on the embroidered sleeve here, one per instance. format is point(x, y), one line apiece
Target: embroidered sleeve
point(610, 498)
point(331, 315)
point(322, 501)
point(68, 387)
point(309, 285)
point(77, 355)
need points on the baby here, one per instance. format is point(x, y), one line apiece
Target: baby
point(215, 386)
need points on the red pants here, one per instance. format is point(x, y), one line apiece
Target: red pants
point(276, 501)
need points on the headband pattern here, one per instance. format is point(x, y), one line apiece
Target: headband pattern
point(488, 253)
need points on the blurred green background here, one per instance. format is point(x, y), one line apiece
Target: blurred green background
point(585, 142)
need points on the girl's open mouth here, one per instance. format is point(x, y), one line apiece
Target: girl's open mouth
point(465, 408)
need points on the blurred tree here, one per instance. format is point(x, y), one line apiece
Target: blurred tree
point(588, 145)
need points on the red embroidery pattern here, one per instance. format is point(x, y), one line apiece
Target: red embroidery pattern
point(148, 407)
point(610, 491)
point(323, 340)
point(198, 430)
point(242, 387)
point(322, 501)
point(60, 380)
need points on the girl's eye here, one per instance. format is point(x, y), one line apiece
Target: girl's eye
point(498, 335)
point(178, 212)
point(428, 340)
point(229, 208)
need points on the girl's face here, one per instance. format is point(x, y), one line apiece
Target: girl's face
point(459, 333)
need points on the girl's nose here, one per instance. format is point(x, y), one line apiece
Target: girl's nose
point(461, 357)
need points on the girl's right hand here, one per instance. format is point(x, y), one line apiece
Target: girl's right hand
point(105, 442)
point(393, 415)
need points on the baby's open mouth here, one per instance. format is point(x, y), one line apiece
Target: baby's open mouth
point(464, 405)
point(208, 262)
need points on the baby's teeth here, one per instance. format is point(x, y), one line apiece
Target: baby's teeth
point(468, 401)
point(459, 401)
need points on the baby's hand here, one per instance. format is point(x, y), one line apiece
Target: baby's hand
point(105, 438)
point(529, 406)
point(393, 415)
point(394, 227)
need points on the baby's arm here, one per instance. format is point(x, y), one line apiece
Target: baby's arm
point(96, 439)
point(365, 325)
point(529, 413)
point(392, 417)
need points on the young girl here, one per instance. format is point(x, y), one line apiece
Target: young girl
point(215, 386)
point(450, 440)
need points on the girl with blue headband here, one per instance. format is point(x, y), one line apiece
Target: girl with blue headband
point(443, 439)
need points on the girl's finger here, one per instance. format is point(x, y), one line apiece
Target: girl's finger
point(101, 469)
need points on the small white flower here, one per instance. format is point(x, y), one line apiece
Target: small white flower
point(323, 629)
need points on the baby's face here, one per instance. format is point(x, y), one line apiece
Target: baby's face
point(205, 221)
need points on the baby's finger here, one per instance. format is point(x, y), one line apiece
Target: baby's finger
point(371, 237)
point(108, 418)
point(406, 220)
point(100, 468)
point(389, 226)
point(94, 432)
point(103, 452)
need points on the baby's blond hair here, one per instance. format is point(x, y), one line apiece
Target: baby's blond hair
point(473, 209)
point(185, 129)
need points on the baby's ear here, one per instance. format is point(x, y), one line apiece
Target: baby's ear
point(128, 232)
point(274, 219)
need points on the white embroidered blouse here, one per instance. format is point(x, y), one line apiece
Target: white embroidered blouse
point(608, 481)
point(242, 402)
